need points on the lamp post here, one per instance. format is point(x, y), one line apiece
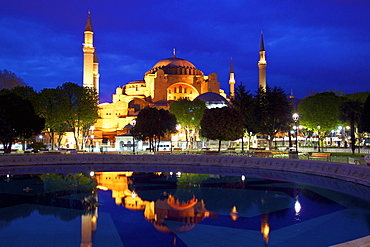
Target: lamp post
point(295, 119)
point(318, 136)
point(92, 138)
point(133, 123)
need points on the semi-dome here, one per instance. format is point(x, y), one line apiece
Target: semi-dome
point(175, 66)
point(213, 100)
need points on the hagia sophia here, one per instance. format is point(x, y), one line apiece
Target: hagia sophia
point(168, 80)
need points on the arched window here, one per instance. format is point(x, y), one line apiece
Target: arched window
point(169, 91)
point(180, 89)
point(185, 90)
point(174, 90)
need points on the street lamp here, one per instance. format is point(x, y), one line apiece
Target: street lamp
point(133, 123)
point(92, 128)
point(295, 119)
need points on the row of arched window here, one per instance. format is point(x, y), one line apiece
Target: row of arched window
point(179, 90)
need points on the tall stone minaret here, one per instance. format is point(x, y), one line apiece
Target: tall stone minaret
point(96, 72)
point(262, 65)
point(90, 70)
point(232, 79)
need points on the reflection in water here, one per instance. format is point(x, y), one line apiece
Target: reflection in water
point(187, 213)
point(234, 214)
point(265, 228)
point(241, 207)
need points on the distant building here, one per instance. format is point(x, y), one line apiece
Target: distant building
point(168, 80)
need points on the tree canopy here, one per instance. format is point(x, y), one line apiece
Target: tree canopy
point(189, 114)
point(153, 124)
point(80, 108)
point(18, 120)
point(52, 108)
point(244, 102)
point(273, 112)
point(9, 80)
point(321, 109)
point(223, 124)
point(364, 125)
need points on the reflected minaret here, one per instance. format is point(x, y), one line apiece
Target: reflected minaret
point(262, 65)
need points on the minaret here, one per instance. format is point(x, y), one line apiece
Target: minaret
point(96, 72)
point(232, 79)
point(89, 53)
point(262, 65)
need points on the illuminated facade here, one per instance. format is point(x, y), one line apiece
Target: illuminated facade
point(168, 80)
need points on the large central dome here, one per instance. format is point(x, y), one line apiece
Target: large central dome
point(174, 62)
point(175, 66)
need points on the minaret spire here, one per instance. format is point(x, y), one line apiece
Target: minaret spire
point(232, 79)
point(88, 23)
point(262, 65)
point(262, 43)
point(174, 52)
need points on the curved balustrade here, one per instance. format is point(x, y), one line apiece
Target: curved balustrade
point(194, 163)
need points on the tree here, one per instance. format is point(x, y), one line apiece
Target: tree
point(153, 124)
point(364, 125)
point(80, 106)
point(189, 114)
point(25, 92)
point(53, 110)
point(223, 124)
point(273, 112)
point(9, 80)
point(350, 111)
point(18, 120)
point(321, 109)
point(244, 102)
point(360, 96)
point(321, 112)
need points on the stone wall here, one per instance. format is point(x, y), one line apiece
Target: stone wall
point(359, 174)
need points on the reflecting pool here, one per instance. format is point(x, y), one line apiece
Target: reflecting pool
point(127, 208)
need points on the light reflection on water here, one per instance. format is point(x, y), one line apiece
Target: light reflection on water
point(159, 209)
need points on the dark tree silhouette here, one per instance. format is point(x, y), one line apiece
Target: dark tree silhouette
point(244, 102)
point(364, 125)
point(223, 124)
point(153, 124)
point(273, 112)
point(350, 111)
point(18, 120)
point(9, 80)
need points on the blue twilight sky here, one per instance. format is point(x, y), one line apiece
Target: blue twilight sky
point(311, 46)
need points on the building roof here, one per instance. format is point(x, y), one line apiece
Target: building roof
point(175, 66)
point(213, 100)
point(174, 62)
